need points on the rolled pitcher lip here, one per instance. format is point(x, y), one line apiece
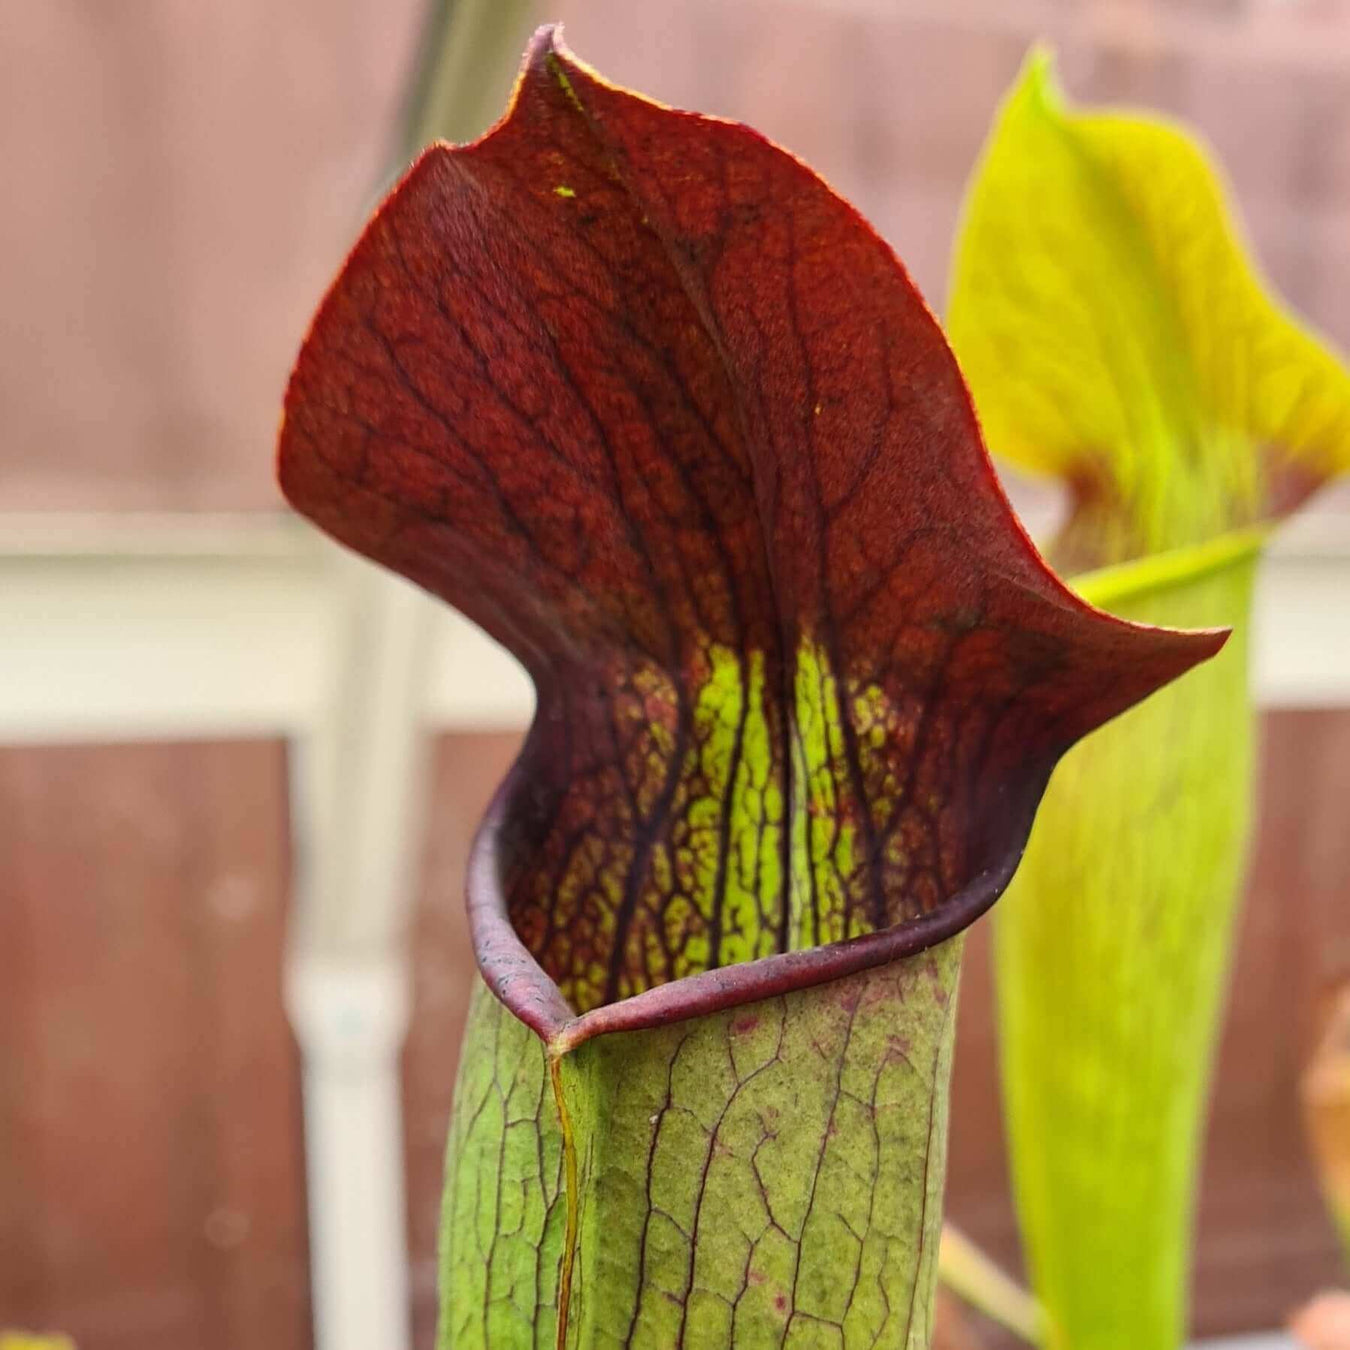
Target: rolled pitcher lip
point(527, 991)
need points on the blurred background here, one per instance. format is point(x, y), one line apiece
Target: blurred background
point(239, 773)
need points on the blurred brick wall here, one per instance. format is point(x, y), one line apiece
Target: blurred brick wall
point(151, 1170)
point(185, 178)
point(180, 182)
point(151, 1164)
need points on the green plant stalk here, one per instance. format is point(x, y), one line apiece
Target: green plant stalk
point(981, 1284)
point(712, 1167)
point(469, 52)
point(1110, 984)
point(1118, 338)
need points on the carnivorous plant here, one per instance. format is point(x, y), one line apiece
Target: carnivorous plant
point(640, 395)
point(1116, 337)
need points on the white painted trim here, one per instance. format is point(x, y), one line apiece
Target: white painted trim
point(1301, 652)
point(358, 787)
point(474, 684)
point(151, 631)
point(358, 771)
point(117, 647)
point(350, 1020)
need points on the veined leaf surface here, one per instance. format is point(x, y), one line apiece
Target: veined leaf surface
point(1111, 951)
point(766, 1175)
point(639, 394)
